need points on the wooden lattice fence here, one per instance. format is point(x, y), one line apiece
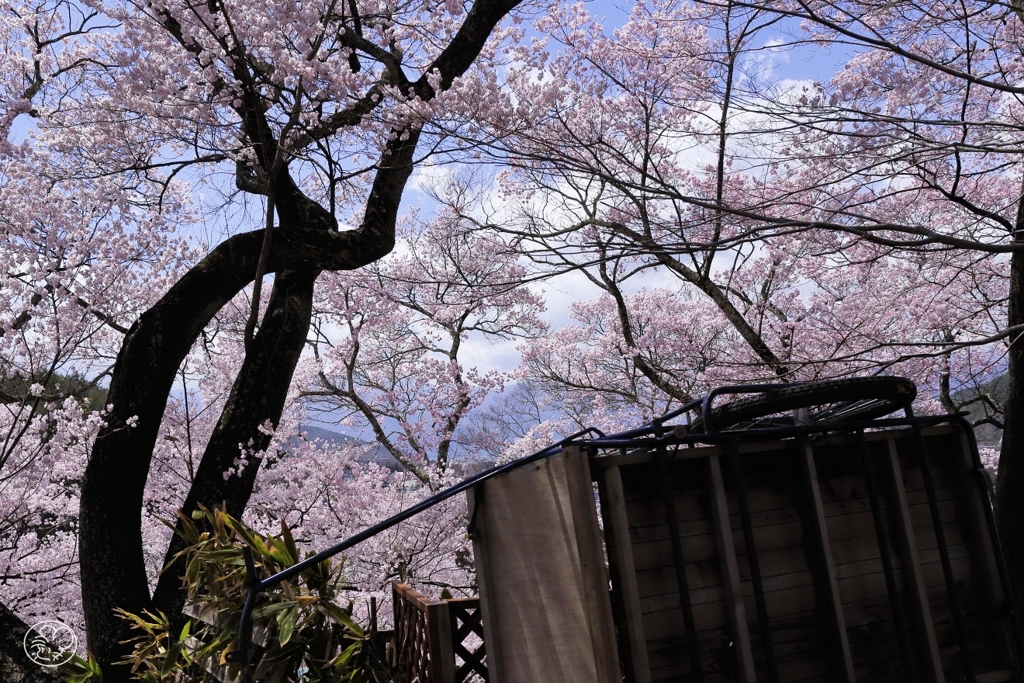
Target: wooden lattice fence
point(467, 639)
point(437, 641)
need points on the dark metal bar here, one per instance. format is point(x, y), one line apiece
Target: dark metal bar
point(241, 654)
point(463, 485)
point(882, 536)
point(705, 403)
point(940, 540)
point(657, 425)
point(763, 624)
point(678, 560)
point(763, 433)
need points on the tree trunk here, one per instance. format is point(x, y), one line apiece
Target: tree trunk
point(15, 665)
point(258, 395)
point(1010, 480)
point(110, 520)
point(113, 568)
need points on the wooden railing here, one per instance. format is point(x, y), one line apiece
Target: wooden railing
point(437, 641)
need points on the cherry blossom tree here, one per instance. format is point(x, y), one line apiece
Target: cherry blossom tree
point(81, 259)
point(735, 223)
point(915, 143)
point(398, 370)
point(678, 169)
point(315, 109)
point(861, 222)
point(390, 342)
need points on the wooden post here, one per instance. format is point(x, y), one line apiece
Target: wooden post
point(427, 652)
point(543, 582)
point(912, 567)
point(439, 636)
point(623, 549)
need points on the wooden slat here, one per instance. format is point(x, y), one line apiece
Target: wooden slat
point(975, 509)
point(730, 573)
point(985, 621)
point(619, 524)
point(661, 621)
point(670, 481)
point(593, 570)
point(920, 447)
point(791, 594)
point(818, 526)
point(912, 567)
point(769, 506)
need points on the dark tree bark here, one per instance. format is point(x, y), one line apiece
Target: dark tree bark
point(257, 396)
point(1010, 479)
point(15, 665)
point(110, 541)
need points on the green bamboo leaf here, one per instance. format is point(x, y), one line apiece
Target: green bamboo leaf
point(170, 662)
point(343, 617)
point(289, 542)
point(222, 555)
point(244, 532)
point(279, 553)
point(79, 670)
point(286, 621)
point(274, 608)
point(192, 572)
point(185, 631)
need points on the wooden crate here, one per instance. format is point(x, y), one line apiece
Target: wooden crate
point(865, 556)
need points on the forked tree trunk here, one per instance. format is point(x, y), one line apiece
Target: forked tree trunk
point(113, 569)
point(258, 395)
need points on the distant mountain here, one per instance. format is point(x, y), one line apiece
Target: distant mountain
point(371, 451)
point(368, 451)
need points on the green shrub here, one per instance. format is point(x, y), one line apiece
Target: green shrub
point(310, 637)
